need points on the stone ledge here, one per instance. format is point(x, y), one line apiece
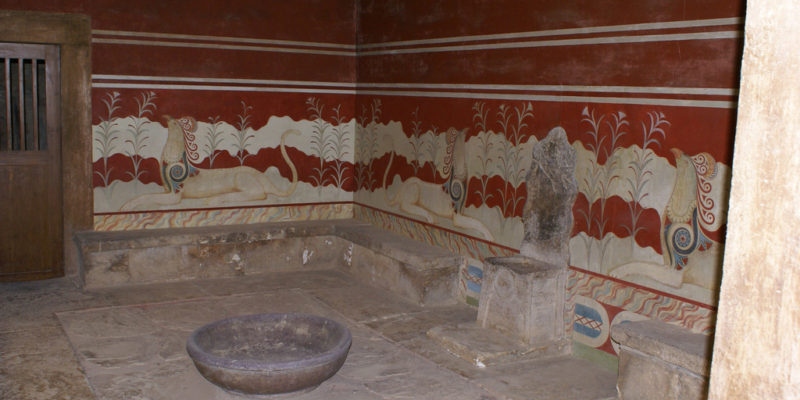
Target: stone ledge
point(672, 344)
point(143, 238)
point(422, 273)
point(417, 255)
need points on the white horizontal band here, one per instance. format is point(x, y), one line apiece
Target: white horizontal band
point(511, 40)
point(463, 95)
point(699, 91)
point(217, 46)
point(562, 42)
point(560, 32)
point(276, 42)
point(558, 98)
point(221, 80)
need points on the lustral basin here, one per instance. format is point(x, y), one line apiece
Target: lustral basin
point(267, 354)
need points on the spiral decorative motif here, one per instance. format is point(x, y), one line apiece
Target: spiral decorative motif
point(189, 126)
point(682, 239)
point(175, 173)
point(705, 165)
point(450, 139)
point(455, 188)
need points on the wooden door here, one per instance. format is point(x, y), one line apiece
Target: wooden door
point(31, 238)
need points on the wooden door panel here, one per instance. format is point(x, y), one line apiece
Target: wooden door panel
point(20, 245)
point(31, 244)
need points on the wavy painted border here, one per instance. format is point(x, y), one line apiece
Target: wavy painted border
point(226, 216)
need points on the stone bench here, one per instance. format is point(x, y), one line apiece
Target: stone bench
point(423, 273)
point(661, 361)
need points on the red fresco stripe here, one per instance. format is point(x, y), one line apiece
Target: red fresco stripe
point(289, 20)
point(696, 63)
point(382, 21)
point(216, 63)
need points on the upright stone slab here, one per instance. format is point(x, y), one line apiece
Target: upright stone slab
point(552, 188)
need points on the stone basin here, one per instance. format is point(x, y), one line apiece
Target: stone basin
point(265, 354)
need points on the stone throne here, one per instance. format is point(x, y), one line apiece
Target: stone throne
point(522, 308)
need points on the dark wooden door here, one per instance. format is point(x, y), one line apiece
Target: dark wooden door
point(31, 241)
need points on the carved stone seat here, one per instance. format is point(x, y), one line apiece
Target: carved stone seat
point(521, 310)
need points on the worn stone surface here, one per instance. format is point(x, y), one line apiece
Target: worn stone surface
point(138, 351)
point(366, 304)
point(523, 298)
point(36, 360)
point(484, 347)
point(130, 342)
point(661, 361)
point(644, 377)
point(672, 344)
point(411, 325)
point(756, 351)
point(552, 188)
point(309, 279)
point(554, 378)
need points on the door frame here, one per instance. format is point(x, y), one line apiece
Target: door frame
point(73, 34)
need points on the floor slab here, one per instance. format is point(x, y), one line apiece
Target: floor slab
point(58, 342)
point(137, 351)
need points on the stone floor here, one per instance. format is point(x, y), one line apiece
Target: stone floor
point(58, 342)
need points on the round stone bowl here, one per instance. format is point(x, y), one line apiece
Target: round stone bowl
point(267, 354)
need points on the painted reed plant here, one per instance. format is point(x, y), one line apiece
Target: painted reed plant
point(213, 139)
point(479, 118)
point(339, 139)
point(243, 133)
point(319, 143)
point(138, 138)
point(510, 167)
point(416, 140)
point(105, 134)
point(652, 134)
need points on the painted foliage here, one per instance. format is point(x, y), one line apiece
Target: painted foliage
point(649, 216)
point(146, 160)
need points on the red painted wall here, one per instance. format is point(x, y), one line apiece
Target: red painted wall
point(659, 79)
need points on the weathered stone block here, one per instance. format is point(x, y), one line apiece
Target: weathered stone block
point(524, 298)
point(661, 361)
